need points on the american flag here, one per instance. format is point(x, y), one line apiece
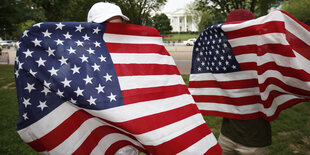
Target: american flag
point(86, 88)
point(251, 69)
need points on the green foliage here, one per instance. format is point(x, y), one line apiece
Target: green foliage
point(258, 7)
point(14, 14)
point(162, 23)
point(209, 19)
point(299, 9)
point(180, 37)
point(139, 11)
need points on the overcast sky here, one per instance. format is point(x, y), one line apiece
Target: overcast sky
point(172, 5)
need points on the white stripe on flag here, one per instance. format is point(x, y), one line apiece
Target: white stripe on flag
point(131, 39)
point(221, 77)
point(171, 131)
point(132, 58)
point(246, 109)
point(273, 16)
point(110, 139)
point(142, 109)
point(130, 82)
point(270, 38)
point(294, 82)
point(78, 137)
point(202, 145)
point(296, 29)
point(45, 125)
point(225, 92)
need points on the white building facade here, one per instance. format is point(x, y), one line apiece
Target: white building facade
point(181, 22)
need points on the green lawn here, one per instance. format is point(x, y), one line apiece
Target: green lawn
point(180, 37)
point(291, 131)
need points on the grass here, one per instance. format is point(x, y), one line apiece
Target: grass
point(290, 132)
point(180, 37)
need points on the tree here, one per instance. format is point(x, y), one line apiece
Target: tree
point(162, 23)
point(12, 13)
point(203, 18)
point(258, 7)
point(299, 9)
point(139, 11)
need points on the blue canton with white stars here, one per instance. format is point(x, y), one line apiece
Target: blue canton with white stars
point(212, 52)
point(64, 62)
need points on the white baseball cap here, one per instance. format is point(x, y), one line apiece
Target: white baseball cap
point(101, 11)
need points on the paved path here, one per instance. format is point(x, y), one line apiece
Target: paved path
point(8, 56)
point(182, 56)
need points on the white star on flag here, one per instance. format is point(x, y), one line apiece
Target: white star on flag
point(42, 105)
point(66, 83)
point(46, 33)
point(28, 53)
point(100, 88)
point(30, 87)
point(79, 28)
point(79, 92)
point(59, 26)
point(26, 102)
point(71, 50)
point(87, 80)
point(108, 77)
point(112, 97)
point(75, 69)
point(40, 62)
point(92, 100)
point(67, 35)
point(50, 51)
point(36, 42)
point(53, 71)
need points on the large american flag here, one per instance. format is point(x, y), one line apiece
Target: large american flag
point(251, 69)
point(94, 88)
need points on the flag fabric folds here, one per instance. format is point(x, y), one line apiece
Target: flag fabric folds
point(86, 88)
point(251, 69)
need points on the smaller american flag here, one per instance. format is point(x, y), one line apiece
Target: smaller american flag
point(251, 69)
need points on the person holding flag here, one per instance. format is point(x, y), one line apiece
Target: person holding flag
point(244, 136)
point(89, 88)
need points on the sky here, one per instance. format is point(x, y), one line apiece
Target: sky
point(172, 5)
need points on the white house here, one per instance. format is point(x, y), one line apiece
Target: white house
point(181, 22)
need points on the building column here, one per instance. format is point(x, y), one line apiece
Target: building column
point(185, 18)
point(179, 30)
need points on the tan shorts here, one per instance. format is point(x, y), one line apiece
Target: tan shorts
point(232, 148)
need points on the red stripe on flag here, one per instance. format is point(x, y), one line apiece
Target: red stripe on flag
point(284, 86)
point(297, 21)
point(183, 141)
point(260, 29)
point(134, 95)
point(93, 139)
point(248, 66)
point(231, 115)
point(298, 45)
point(96, 135)
point(236, 84)
point(285, 71)
point(238, 101)
point(284, 50)
point(129, 29)
point(57, 136)
point(215, 150)
point(136, 48)
point(145, 69)
point(146, 123)
point(284, 106)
